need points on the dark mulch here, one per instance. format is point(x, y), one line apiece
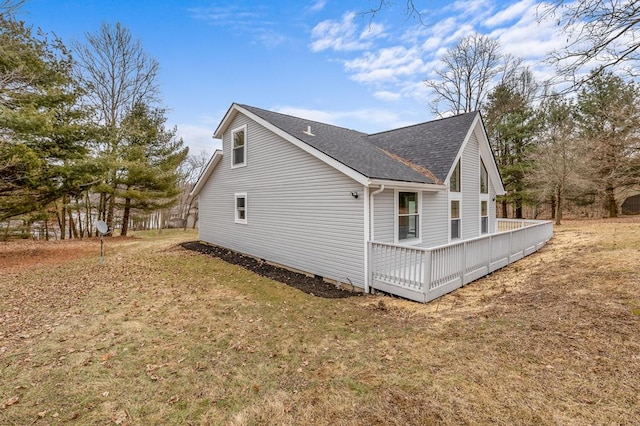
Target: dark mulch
point(310, 285)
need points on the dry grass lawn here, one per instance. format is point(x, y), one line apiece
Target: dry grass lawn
point(161, 335)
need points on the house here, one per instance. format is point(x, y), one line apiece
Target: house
point(336, 202)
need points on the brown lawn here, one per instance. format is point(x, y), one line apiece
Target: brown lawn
point(162, 335)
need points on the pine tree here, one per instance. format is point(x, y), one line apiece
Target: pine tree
point(42, 131)
point(609, 122)
point(151, 157)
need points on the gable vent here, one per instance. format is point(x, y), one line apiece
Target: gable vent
point(308, 131)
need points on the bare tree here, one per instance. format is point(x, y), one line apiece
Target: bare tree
point(8, 8)
point(604, 33)
point(115, 74)
point(410, 11)
point(468, 70)
point(190, 171)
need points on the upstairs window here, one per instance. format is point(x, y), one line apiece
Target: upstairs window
point(454, 182)
point(484, 179)
point(239, 147)
point(408, 216)
point(455, 219)
point(241, 208)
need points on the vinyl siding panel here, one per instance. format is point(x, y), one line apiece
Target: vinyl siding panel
point(300, 212)
point(470, 185)
point(435, 219)
point(384, 219)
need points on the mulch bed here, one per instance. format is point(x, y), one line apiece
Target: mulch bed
point(302, 282)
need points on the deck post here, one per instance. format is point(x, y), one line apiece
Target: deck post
point(463, 265)
point(426, 279)
point(490, 255)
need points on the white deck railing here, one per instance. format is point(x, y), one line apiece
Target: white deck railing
point(423, 274)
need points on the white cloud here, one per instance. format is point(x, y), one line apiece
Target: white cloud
point(385, 95)
point(198, 138)
point(511, 13)
point(344, 35)
point(386, 64)
point(318, 5)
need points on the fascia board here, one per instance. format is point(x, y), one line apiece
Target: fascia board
point(204, 176)
point(394, 184)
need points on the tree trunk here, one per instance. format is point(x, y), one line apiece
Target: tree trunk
point(518, 212)
point(553, 207)
point(612, 206)
point(73, 231)
point(62, 220)
point(504, 209)
point(125, 217)
point(110, 211)
point(558, 207)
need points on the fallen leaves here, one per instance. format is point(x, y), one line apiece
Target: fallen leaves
point(11, 401)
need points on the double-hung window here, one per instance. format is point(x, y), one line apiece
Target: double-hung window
point(484, 217)
point(408, 216)
point(241, 207)
point(239, 147)
point(455, 219)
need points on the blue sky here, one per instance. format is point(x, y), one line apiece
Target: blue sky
point(319, 59)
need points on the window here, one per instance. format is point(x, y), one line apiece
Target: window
point(484, 217)
point(454, 181)
point(484, 179)
point(239, 141)
point(455, 219)
point(241, 208)
point(408, 216)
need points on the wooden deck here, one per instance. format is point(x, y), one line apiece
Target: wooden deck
point(423, 274)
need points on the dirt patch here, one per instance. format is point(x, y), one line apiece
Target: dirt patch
point(302, 282)
point(16, 255)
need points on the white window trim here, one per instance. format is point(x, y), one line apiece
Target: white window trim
point(480, 179)
point(484, 197)
point(396, 215)
point(454, 196)
point(235, 207)
point(233, 132)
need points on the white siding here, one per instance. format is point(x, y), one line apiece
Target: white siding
point(383, 217)
point(300, 212)
point(470, 185)
point(435, 219)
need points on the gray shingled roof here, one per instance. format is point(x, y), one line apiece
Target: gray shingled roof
point(431, 145)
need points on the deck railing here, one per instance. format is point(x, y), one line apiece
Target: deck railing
point(423, 274)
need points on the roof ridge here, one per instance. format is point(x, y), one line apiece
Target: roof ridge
point(424, 122)
point(301, 118)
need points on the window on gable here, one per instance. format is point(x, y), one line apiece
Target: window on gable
point(454, 182)
point(484, 179)
point(455, 219)
point(484, 217)
point(241, 208)
point(239, 141)
point(408, 216)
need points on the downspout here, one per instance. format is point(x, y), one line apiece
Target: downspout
point(369, 231)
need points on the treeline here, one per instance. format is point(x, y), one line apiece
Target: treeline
point(82, 135)
point(578, 147)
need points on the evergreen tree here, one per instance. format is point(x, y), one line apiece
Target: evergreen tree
point(151, 157)
point(511, 123)
point(42, 132)
point(609, 121)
